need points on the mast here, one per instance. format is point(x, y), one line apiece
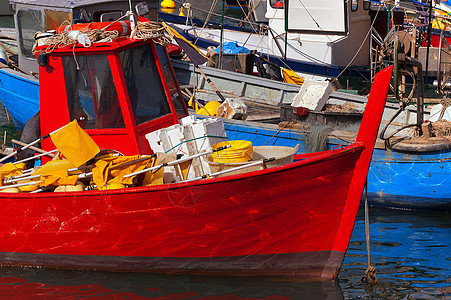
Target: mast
point(222, 35)
point(429, 40)
point(286, 29)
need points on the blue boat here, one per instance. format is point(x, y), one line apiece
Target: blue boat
point(404, 175)
point(19, 94)
point(396, 179)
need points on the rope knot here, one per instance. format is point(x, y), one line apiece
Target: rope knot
point(370, 276)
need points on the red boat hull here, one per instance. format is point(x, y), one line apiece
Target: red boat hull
point(292, 220)
point(227, 225)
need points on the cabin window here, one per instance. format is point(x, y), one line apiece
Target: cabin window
point(54, 18)
point(354, 5)
point(29, 22)
point(91, 92)
point(172, 84)
point(366, 4)
point(277, 3)
point(145, 90)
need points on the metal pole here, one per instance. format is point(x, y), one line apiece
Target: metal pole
point(286, 29)
point(395, 67)
point(371, 54)
point(222, 35)
point(429, 40)
point(388, 15)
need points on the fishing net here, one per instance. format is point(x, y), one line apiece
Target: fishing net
point(444, 66)
point(441, 128)
point(316, 139)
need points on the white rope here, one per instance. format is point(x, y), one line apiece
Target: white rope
point(207, 19)
point(360, 48)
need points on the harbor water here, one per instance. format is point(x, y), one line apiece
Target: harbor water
point(410, 251)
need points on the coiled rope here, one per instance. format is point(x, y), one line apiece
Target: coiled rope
point(143, 30)
point(150, 30)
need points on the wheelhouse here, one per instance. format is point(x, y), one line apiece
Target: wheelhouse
point(123, 90)
point(44, 15)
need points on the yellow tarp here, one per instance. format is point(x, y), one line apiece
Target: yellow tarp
point(10, 169)
point(75, 144)
point(60, 177)
point(112, 169)
point(290, 76)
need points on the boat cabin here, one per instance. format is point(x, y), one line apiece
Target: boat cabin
point(326, 31)
point(44, 15)
point(124, 89)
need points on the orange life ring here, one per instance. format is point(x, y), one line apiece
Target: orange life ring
point(122, 27)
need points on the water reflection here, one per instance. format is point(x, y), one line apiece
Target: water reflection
point(99, 285)
point(409, 249)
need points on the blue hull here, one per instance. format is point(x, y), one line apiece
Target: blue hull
point(395, 179)
point(20, 95)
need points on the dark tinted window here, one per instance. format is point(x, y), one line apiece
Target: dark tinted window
point(91, 92)
point(146, 92)
point(172, 85)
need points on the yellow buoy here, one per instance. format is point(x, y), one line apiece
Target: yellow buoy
point(28, 188)
point(168, 4)
point(239, 151)
point(78, 187)
point(10, 190)
point(168, 10)
point(210, 109)
point(181, 14)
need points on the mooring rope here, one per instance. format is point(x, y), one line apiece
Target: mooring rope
point(370, 272)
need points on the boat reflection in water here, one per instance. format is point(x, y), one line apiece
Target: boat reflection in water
point(59, 284)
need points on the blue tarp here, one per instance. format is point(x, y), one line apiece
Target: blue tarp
point(232, 48)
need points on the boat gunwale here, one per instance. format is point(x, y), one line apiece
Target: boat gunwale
point(315, 158)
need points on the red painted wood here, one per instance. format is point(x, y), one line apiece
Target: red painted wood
point(237, 223)
point(236, 216)
point(130, 140)
point(367, 135)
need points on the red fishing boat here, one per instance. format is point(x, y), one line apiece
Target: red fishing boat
point(290, 220)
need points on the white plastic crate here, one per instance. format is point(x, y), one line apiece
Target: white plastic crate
point(190, 137)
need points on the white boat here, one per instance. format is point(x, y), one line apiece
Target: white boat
point(4, 8)
point(323, 36)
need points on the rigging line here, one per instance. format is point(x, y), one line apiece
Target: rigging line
point(328, 37)
point(309, 57)
point(210, 12)
point(247, 18)
point(251, 8)
point(360, 48)
point(217, 15)
point(313, 19)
